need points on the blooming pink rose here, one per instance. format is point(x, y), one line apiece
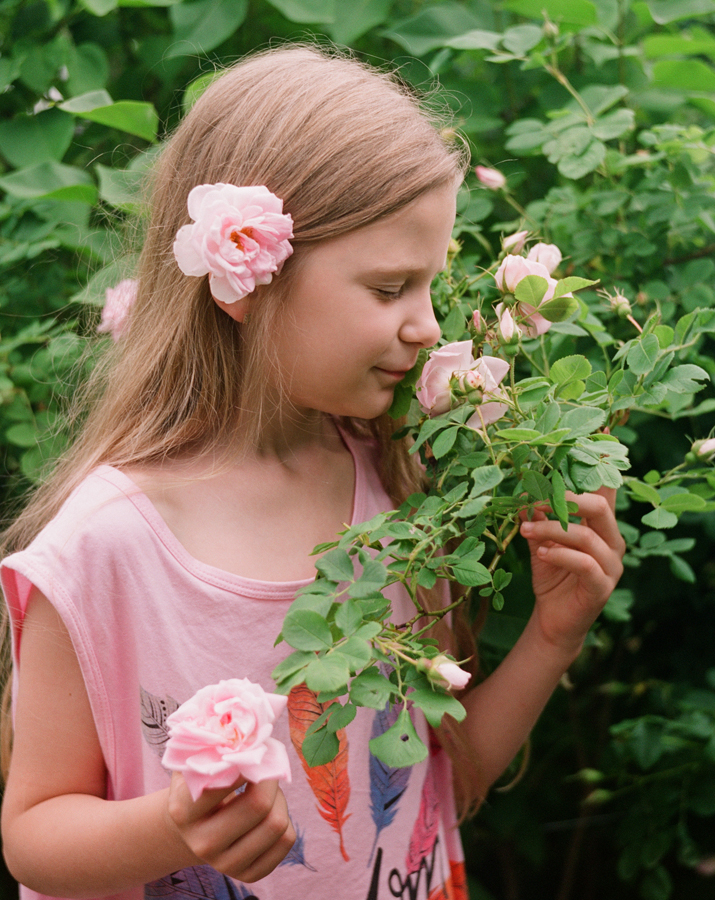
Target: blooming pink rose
point(118, 302)
point(490, 178)
point(448, 672)
point(548, 255)
point(493, 370)
point(514, 243)
point(239, 238)
point(224, 732)
point(433, 388)
point(513, 270)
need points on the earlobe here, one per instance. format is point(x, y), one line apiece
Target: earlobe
point(238, 310)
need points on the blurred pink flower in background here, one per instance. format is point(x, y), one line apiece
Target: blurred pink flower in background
point(117, 305)
point(490, 178)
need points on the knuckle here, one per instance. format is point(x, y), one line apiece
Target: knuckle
point(277, 822)
point(260, 803)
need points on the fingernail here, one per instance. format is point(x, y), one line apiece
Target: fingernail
point(527, 528)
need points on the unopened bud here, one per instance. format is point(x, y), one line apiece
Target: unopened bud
point(490, 178)
point(514, 243)
point(704, 450)
point(619, 304)
point(507, 329)
point(478, 325)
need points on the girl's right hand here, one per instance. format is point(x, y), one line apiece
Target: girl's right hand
point(243, 835)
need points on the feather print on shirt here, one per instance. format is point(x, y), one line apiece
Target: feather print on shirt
point(330, 782)
point(296, 854)
point(154, 712)
point(426, 827)
point(198, 883)
point(387, 784)
point(455, 887)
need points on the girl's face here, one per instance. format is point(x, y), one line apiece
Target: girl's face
point(361, 310)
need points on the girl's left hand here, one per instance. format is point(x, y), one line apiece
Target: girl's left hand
point(574, 571)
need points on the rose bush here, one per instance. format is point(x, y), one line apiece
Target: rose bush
point(224, 732)
point(240, 237)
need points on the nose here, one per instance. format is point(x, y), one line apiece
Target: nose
point(420, 325)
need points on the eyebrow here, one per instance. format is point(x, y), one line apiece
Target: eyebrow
point(399, 272)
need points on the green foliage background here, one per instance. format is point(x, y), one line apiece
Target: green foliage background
point(601, 113)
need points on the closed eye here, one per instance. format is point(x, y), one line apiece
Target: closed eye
point(390, 293)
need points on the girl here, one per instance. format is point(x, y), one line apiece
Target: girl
point(241, 422)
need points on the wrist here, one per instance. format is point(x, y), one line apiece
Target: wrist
point(557, 654)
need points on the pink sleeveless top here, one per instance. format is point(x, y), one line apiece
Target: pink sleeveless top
point(151, 625)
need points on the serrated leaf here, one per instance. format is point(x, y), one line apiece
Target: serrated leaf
point(531, 290)
point(644, 492)
point(400, 746)
point(336, 565)
point(685, 502)
point(292, 664)
point(320, 748)
point(485, 478)
point(643, 354)
point(340, 716)
point(307, 630)
point(444, 442)
point(348, 616)
point(370, 688)
point(327, 673)
point(660, 518)
point(356, 651)
point(558, 499)
point(537, 485)
point(435, 704)
point(570, 368)
point(558, 309)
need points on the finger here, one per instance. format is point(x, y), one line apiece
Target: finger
point(235, 819)
point(261, 849)
point(597, 511)
point(598, 585)
point(580, 538)
point(185, 810)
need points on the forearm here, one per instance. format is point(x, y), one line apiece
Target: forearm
point(502, 710)
point(79, 845)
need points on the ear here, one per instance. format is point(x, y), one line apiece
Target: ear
point(238, 310)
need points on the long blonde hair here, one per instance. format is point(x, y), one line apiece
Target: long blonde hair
point(342, 144)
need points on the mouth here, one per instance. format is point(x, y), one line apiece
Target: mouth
point(398, 375)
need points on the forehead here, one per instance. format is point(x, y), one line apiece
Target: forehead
point(411, 239)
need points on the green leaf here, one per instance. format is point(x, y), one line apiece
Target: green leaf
point(470, 572)
point(356, 651)
point(475, 39)
point(558, 309)
point(684, 379)
point(121, 188)
point(618, 606)
point(537, 485)
point(370, 688)
point(400, 746)
point(87, 68)
point(320, 748)
point(435, 704)
point(531, 290)
point(132, 116)
point(485, 478)
point(558, 499)
point(575, 166)
point(51, 180)
point(291, 664)
point(340, 716)
point(201, 26)
point(356, 18)
point(570, 284)
point(660, 518)
point(583, 420)
point(522, 38)
point(308, 11)
point(684, 502)
point(516, 435)
point(691, 75)
point(665, 11)
point(642, 355)
point(614, 125)
point(307, 630)
point(444, 442)
point(433, 27)
point(370, 580)
point(644, 492)
point(99, 7)
point(570, 368)
point(575, 12)
point(29, 140)
point(348, 617)
point(326, 673)
point(336, 565)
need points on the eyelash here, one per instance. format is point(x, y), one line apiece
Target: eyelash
point(390, 295)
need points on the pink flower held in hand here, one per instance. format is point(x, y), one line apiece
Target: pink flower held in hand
point(490, 178)
point(239, 238)
point(548, 255)
point(117, 305)
point(446, 672)
point(224, 732)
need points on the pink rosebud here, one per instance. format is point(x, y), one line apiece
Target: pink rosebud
point(117, 305)
point(704, 449)
point(548, 255)
point(224, 732)
point(493, 370)
point(490, 178)
point(433, 386)
point(239, 238)
point(507, 328)
point(514, 269)
point(479, 324)
point(514, 243)
point(445, 671)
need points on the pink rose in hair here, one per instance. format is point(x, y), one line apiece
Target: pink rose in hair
point(239, 238)
point(118, 302)
point(224, 732)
